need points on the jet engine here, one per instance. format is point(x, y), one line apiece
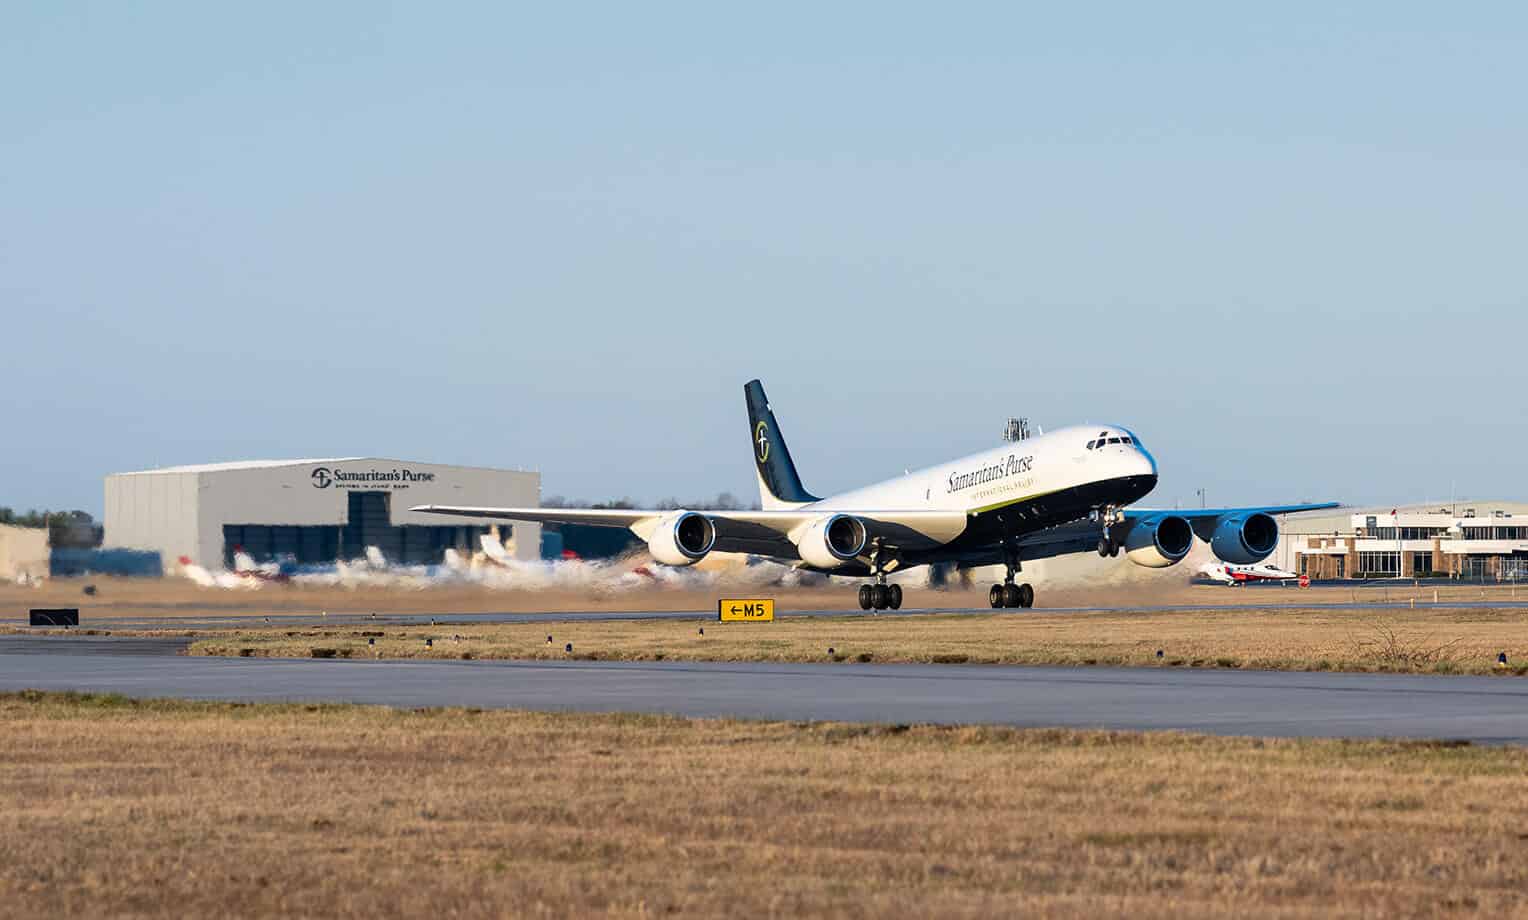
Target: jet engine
point(682, 538)
point(1158, 542)
point(1245, 538)
point(832, 540)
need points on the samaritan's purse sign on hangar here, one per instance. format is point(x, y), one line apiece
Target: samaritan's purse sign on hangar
point(398, 478)
point(745, 609)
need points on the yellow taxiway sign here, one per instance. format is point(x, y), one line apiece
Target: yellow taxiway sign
point(745, 609)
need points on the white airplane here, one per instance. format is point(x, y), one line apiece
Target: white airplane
point(1227, 573)
point(1050, 495)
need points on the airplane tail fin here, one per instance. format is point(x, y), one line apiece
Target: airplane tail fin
point(779, 484)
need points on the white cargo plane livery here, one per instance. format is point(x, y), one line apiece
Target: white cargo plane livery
point(1054, 494)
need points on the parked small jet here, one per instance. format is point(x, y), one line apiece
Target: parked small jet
point(1230, 574)
point(1054, 494)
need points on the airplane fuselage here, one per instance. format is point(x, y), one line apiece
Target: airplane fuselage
point(1019, 487)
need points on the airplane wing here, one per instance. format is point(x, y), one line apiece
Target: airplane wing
point(768, 533)
point(1203, 519)
point(598, 517)
point(1192, 513)
point(1082, 536)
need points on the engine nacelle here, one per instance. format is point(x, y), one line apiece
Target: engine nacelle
point(1158, 542)
point(1242, 539)
point(682, 538)
point(832, 540)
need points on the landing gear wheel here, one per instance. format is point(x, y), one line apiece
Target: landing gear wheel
point(1026, 596)
point(1011, 595)
point(995, 596)
point(1107, 548)
point(878, 594)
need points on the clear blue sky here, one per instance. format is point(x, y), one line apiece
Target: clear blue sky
point(1286, 245)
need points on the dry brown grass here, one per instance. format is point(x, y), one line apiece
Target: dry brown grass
point(1432, 641)
point(193, 809)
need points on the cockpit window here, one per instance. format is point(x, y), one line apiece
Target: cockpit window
point(1104, 439)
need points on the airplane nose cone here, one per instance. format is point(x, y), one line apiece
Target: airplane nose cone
point(1146, 464)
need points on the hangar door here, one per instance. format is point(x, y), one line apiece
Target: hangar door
point(368, 523)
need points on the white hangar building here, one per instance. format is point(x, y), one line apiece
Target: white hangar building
point(313, 511)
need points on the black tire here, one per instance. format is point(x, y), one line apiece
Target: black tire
point(894, 597)
point(1011, 595)
point(879, 597)
point(1026, 596)
point(866, 597)
point(1103, 547)
point(1113, 549)
point(995, 596)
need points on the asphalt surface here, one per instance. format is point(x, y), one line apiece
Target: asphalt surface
point(91, 645)
point(1477, 709)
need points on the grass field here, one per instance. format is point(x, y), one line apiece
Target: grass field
point(1450, 641)
point(193, 809)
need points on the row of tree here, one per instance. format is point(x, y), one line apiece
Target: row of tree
point(66, 529)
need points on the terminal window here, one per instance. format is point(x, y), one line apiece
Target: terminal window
point(1379, 565)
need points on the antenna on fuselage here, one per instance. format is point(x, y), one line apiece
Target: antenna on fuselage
point(1017, 429)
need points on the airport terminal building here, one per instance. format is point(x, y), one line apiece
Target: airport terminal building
point(1471, 540)
point(313, 511)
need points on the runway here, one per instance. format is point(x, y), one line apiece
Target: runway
point(1280, 704)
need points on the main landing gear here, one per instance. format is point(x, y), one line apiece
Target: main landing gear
point(1108, 516)
point(1009, 594)
point(880, 595)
